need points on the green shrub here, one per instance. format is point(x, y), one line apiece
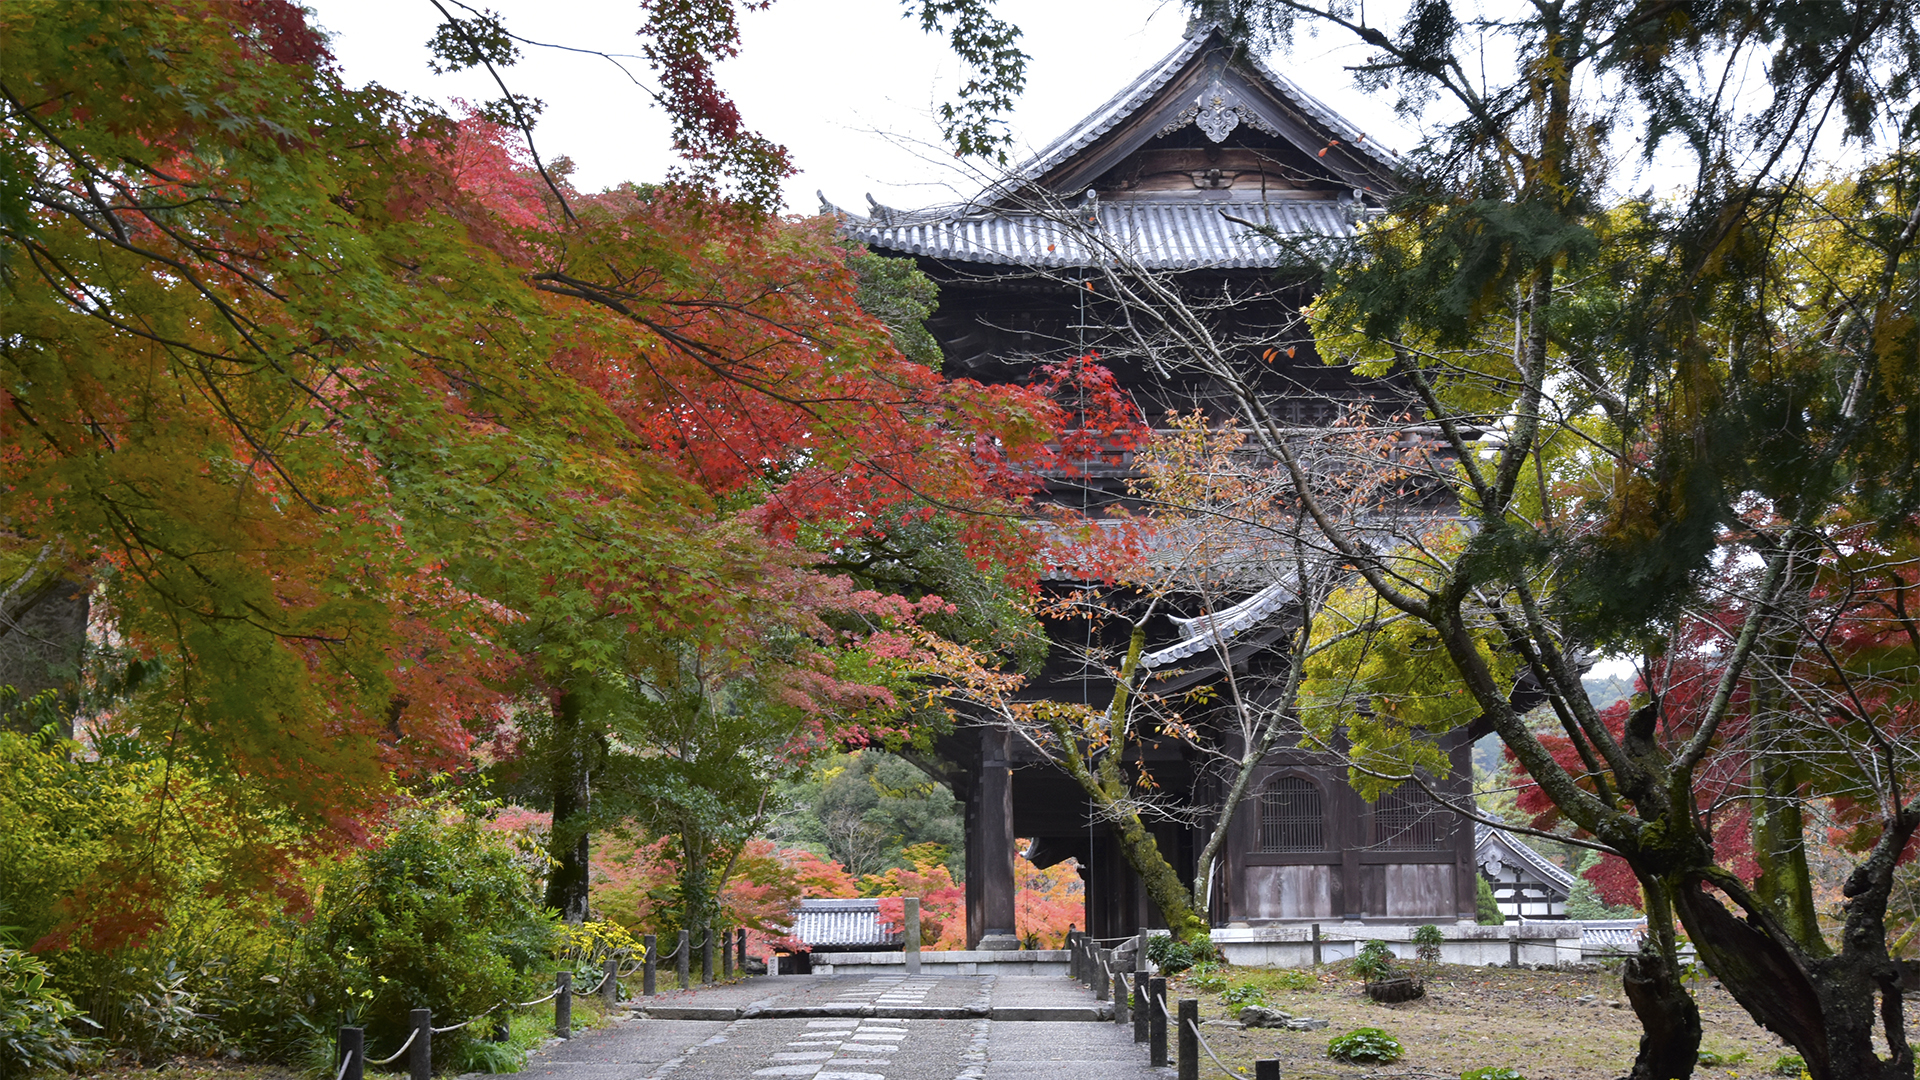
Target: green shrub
point(1365, 1046)
point(1486, 909)
point(1374, 961)
point(1426, 944)
point(442, 915)
point(1239, 997)
point(1713, 1058)
point(1493, 1072)
point(1789, 1065)
point(1173, 956)
point(1205, 977)
point(35, 1031)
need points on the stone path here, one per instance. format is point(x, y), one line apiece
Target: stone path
point(855, 1047)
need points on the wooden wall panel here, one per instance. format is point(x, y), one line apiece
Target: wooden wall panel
point(1420, 890)
point(1300, 891)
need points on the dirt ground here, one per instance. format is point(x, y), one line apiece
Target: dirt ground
point(1532, 1021)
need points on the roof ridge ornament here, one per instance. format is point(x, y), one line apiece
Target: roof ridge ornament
point(1216, 112)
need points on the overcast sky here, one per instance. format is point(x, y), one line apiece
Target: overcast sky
point(848, 86)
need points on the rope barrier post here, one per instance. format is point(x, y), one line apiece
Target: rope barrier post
point(1266, 1069)
point(1317, 961)
point(649, 974)
point(1142, 1008)
point(353, 1053)
point(912, 946)
point(740, 941)
point(563, 1005)
point(1157, 1022)
point(1101, 984)
point(706, 954)
point(610, 985)
point(420, 1058)
point(1119, 997)
point(726, 956)
point(683, 957)
point(1189, 1039)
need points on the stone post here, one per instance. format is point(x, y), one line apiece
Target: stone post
point(1189, 1039)
point(649, 974)
point(1157, 1022)
point(912, 906)
point(353, 1051)
point(563, 1005)
point(682, 958)
point(420, 1054)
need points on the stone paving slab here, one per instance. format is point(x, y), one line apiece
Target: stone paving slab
point(1065, 1051)
point(778, 1047)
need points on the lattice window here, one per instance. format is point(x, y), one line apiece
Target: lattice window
point(1291, 818)
point(1409, 819)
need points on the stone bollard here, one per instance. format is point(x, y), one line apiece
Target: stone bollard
point(353, 1051)
point(1102, 982)
point(1157, 1022)
point(740, 940)
point(1317, 961)
point(610, 982)
point(1142, 1008)
point(726, 955)
point(1119, 997)
point(649, 972)
point(682, 958)
point(563, 1005)
point(1266, 1069)
point(1189, 1039)
point(912, 946)
point(706, 954)
point(420, 1053)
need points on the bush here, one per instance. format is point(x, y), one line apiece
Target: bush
point(1173, 956)
point(35, 1035)
point(1206, 977)
point(439, 915)
point(1239, 997)
point(1493, 1072)
point(1374, 961)
point(1711, 1058)
point(1486, 909)
point(1365, 1046)
point(1426, 944)
point(1789, 1065)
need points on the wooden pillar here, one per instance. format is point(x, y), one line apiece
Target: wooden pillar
point(994, 844)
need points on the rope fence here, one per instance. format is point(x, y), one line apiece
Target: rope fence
point(346, 1059)
point(395, 1056)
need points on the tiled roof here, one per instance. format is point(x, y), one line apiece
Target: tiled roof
point(1490, 844)
point(1156, 235)
point(1124, 104)
point(844, 922)
point(1222, 626)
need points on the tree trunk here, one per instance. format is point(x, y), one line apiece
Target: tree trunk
point(1669, 1019)
point(569, 846)
point(1824, 1008)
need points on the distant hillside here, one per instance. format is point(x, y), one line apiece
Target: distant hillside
point(1604, 692)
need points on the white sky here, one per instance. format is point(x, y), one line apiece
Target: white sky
point(848, 86)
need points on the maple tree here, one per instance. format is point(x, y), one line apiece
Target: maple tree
point(376, 439)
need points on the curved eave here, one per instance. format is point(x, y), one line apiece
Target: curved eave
point(1145, 235)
